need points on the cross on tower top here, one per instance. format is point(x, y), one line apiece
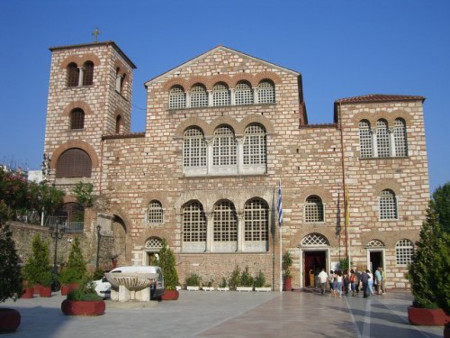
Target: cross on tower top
point(96, 33)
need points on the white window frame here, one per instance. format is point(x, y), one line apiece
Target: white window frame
point(383, 212)
point(155, 213)
point(221, 95)
point(198, 96)
point(318, 212)
point(404, 253)
point(266, 92)
point(177, 98)
point(243, 94)
point(365, 139)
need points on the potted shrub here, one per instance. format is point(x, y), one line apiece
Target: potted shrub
point(193, 282)
point(208, 286)
point(167, 264)
point(83, 301)
point(245, 282)
point(260, 283)
point(235, 278)
point(223, 286)
point(75, 271)
point(11, 280)
point(287, 277)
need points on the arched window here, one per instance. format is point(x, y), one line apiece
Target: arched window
point(224, 147)
point(388, 205)
point(400, 138)
point(266, 92)
point(71, 212)
point(225, 222)
point(383, 143)
point(199, 96)
point(255, 145)
point(88, 73)
point(155, 213)
point(194, 148)
point(154, 244)
point(177, 98)
point(315, 239)
point(221, 95)
point(365, 139)
point(74, 162)
point(256, 219)
point(120, 80)
point(73, 75)
point(243, 93)
point(118, 124)
point(194, 223)
point(77, 119)
point(314, 209)
point(404, 250)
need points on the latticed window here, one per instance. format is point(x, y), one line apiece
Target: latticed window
point(266, 92)
point(74, 162)
point(177, 98)
point(73, 75)
point(155, 213)
point(404, 250)
point(256, 220)
point(221, 95)
point(365, 139)
point(88, 73)
point(194, 223)
point(199, 96)
point(400, 138)
point(225, 222)
point(243, 93)
point(313, 209)
point(154, 243)
point(224, 147)
point(77, 119)
point(388, 205)
point(194, 148)
point(314, 240)
point(383, 144)
point(375, 243)
point(255, 145)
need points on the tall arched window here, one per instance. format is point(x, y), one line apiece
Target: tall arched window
point(88, 73)
point(155, 213)
point(199, 96)
point(243, 93)
point(74, 162)
point(194, 148)
point(314, 209)
point(255, 145)
point(404, 250)
point(388, 205)
point(77, 119)
point(383, 142)
point(256, 219)
point(365, 139)
point(224, 147)
point(194, 223)
point(400, 138)
point(73, 75)
point(221, 95)
point(177, 98)
point(266, 92)
point(225, 222)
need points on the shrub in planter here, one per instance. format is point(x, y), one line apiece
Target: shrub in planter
point(167, 263)
point(75, 270)
point(37, 271)
point(193, 281)
point(287, 277)
point(235, 278)
point(83, 301)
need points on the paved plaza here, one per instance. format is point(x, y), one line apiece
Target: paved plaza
point(229, 314)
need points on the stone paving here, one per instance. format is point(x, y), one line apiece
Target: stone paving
point(229, 314)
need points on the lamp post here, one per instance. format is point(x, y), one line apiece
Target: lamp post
point(56, 233)
point(99, 228)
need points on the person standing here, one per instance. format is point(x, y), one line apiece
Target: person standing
point(383, 281)
point(323, 278)
point(339, 280)
point(378, 281)
point(370, 282)
point(365, 283)
point(352, 281)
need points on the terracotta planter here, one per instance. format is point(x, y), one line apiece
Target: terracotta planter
point(288, 284)
point(419, 316)
point(83, 308)
point(9, 320)
point(170, 295)
point(66, 288)
point(37, 288)
point(27, 293)
point(45, 291)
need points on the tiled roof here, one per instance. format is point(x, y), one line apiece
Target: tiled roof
point(379, 98)
point(123, 136)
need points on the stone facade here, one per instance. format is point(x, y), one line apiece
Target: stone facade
point(320, 167)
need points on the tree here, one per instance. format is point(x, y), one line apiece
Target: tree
point(37, 269)
point(441, 198)
point(83, 192)
point(11, 277)
point(167, 264)
point(75, 271)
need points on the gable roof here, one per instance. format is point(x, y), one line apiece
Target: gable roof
point(379, 98)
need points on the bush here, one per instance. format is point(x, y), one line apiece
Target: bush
point(193, 280)
point(37, 269)
point(223, 283)
point(246, 279)
point(167, 264)
point(260, 280)
point(86, 292)
point(235, 278)
point(75, 271)
point(11, 277)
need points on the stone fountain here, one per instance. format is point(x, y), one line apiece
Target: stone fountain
point(131, 286)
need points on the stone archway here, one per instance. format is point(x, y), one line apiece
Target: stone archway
point(119, 251)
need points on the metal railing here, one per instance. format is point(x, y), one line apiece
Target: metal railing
point(64, 225)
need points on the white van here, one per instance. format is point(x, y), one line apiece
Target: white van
point(103, 287)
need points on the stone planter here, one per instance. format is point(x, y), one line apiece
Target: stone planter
point(192, 288)
point(208, 288)
point(244, 288)
point(223, 289)
point(27, 293)
point(83, 308)
point(263, 289)
point(170, 295)
point(9, 320)
point(420, 316)
point(45, 291)
point(66, 288)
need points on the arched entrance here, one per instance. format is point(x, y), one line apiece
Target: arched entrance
point(314, 256)
point(375, 254)
point(119, 241)
point(150, 251)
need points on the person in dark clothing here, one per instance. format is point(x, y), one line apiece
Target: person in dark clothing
point(365, 282)
point(358, 280)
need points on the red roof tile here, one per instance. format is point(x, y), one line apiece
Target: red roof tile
point(379, 98)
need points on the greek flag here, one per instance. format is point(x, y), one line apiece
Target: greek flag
point(280, 206)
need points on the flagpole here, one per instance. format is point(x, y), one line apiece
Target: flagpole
point(280, 222)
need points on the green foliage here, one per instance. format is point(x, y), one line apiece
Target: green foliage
point(75, 271)
point(344, 264)
point(83, 192)
point(167, 263)
point(441, 198)
point(442, 290)
point(11, 277)
point(287, 263)
point(37, 269)
point(98, 274)
point(86, 292)
point(235, 278)
point(223, 283)
point(246, 278)
point(193, 280)
point(260, 280)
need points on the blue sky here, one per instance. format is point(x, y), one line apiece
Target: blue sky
point(342, 48)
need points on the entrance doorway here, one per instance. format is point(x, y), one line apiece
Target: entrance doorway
point(375, 260)
point(314, 262)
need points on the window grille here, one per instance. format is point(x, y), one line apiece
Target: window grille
point(74, 163)
point(154, 243)
point(315, 240)
point(388, 205)
point(266, 92)
point(313, 209)
point(243, 93)
point(221, 95)
point(155, 213)
point(77, 119)
point(375, 243)
point(73, 75)
point(255, 145)
point(194, 148)
point(177, 98)
point(256, 220)
point(224, 147)
point(383, 144)
point(365, 139)
point(199, 96)
point(400, 138)
point(88, 73)
point(404, 250)
point(225, 222)
point(194, 223)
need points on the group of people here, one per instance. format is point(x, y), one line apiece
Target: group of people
point(351, 283)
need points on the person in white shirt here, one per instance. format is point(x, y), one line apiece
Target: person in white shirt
point(323, 278)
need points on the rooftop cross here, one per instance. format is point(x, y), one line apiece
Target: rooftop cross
point(96, 33)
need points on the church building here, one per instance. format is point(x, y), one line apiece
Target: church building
point(224, 131)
